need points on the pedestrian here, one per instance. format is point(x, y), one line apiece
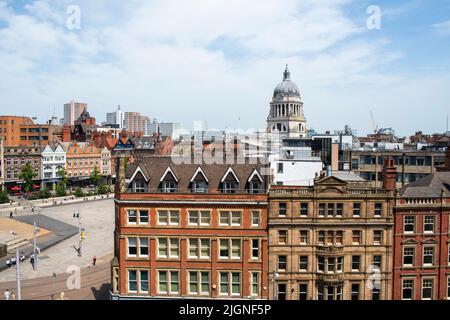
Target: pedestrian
point(8, 263)
point(6, 295)
point(22, 258)
point(94, 260)
point(11, 214)
point(13, 261)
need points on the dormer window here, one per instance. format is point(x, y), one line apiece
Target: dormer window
point(229, 182)
point(169, 181)
point(229, 187)
point(139, 182)
point(168, 186)
point(199, 187)
point(199, 182)
point(254, 183)
point(254, 187)
point(139, 186)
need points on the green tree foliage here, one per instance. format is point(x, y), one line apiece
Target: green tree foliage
point(4, 197)
point(103, 188)
point(79, 193)
point(96, 176)
point(63, 175)
point(61, 189)
point(27, 174)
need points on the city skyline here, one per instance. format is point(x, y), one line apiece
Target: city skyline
point(343, 69)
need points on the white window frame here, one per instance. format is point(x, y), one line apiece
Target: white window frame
point(230, 218)
point(257, 215)
point(412, 288)
point(169, 217)
point(414, 249)
point(139, 217)
point(128, 281)
point(199, 292)
point(168, 282)
point(128, 247)
point(425, 223)
point(168, 248)
point(252, 249)
point(409, 223)
point(199, 247)
point(252, 283)
point(199, 217)
point(432, 288)
point(433, 256)
point(128, 216)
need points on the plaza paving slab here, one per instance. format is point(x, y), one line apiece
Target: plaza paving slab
point(97, 218)
point(22, 230)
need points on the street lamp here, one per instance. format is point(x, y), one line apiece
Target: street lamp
point(76, 215)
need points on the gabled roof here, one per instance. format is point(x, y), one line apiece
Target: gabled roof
point(154, 167)
point(255, 173)
point(230, 170)
point(138, 169)
point(169, 170)
point(199, 170)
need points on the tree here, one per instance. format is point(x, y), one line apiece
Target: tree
point(96, 176)
point(61, 189)
point(63, 175)
point(79, 192)
point(103, 188)
point(44, 193)
point(27, 174)
point(4, 197)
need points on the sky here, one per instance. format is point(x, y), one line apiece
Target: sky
point(219, 61)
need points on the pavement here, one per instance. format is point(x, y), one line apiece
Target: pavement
point(97, 218)
point(55, 232)
point(95, 284)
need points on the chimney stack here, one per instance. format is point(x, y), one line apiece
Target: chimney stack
point(389, 174)
point(120, 186)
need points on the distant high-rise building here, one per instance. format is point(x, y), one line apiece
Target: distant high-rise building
point(116, 118)
point(135, 122)
point(170, 129)
point(72, 111)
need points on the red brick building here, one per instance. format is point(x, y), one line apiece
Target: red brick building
point(422, 240)
point(190, 230)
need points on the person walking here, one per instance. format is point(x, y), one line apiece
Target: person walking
point(7, 294)
point(94, 260)
point(11, 214)
point(8, 263)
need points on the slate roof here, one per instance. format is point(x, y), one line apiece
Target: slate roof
point(430, 186)
point(154, 168)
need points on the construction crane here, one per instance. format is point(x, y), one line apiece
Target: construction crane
point(375, 127)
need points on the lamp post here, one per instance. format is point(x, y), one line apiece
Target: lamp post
point(34, 247)
point(19, 294)
point(76, 215)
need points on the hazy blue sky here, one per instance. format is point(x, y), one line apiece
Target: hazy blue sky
point(219, 61)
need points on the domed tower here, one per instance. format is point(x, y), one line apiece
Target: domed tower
point(286, 110)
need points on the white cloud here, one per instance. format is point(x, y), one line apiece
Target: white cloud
point(442, 28)
point(156, 58)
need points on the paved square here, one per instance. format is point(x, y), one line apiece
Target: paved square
point(97, 218)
